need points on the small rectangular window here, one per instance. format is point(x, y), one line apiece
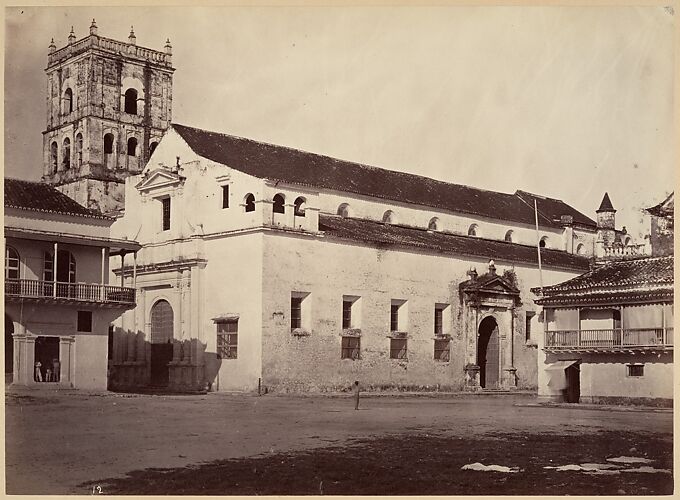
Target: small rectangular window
point(84, 321)
point(346, 314)
point(295, 312)
point(225, 196)
point(527, 326)
point(398, 349)
point(635, 370)
point(166, 213)
point(438, 321)
point(441, 350)
point(227, 340)
point(351, 347)
point(394, 317)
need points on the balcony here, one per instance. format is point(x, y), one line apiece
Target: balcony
point(69, 293)
point(616, 339)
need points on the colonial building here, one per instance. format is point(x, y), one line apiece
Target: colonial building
point(58, 304)
point(609, 333)
point(263, 265)
point(108, 103)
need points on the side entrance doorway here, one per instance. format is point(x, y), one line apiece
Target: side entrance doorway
point(572, 393)
point(9, 350)
point(488, 354)
point(161, 342)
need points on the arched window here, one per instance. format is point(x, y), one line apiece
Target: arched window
point(627, 240)
point(473, 230)
point(544, 242)
point(343, 210)
point(161, 323)
point(66, 161)
point(279, 207)
point(580, 249)
point(433, 225)
point(79, 150)
point(508, 236)
point(132, 146)
point(300, 206)
point(152, 147)
point(54, 154)
point(131, 101)
point(388, 217)
point(68, 101)
point(108, 144)
point(11, 263)
point(249, 202)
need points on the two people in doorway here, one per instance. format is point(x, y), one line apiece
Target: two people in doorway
point(52, 371)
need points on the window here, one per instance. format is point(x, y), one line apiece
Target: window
point(225, 196)
point(433, 225)
point(152, 147)
point(346, 314)
point(66, 161)
point(108, 144)
point(300, 206)
point(637, 370)
point(544, 242)
point(473, 230)
point(11, 264)
point(351, 347)
point(54, 154)
point(131, 101)
point(398, 349)
point(249, 202)
point(343, 210)
point(227, 340)
point(398, 316)
point(394, 318)
point(580, 249)
point(68, 101)
point(438, 321)
point(441, 350)
point(295, 312)
point(48, 267)
point(162, 323)
point(79, 150)
point(84, 321)
point(279, 206)
point(508, 236)
point(166, 213)
point(527, 326)
point(132, 146)
point(389, 217)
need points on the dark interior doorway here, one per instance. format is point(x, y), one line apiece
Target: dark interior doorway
point(9, 349)
point(47, 366)
point(573, 390)
point(488, 353)
point(161, 342)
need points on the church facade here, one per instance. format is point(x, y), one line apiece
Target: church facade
point(265, 266)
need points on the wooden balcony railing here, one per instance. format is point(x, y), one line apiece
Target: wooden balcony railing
point(79, 292)
point(607, 339)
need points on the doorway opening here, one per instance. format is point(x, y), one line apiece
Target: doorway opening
point(47, 367)
point(572, 394)
point(488, 350)
point(9, 350)
point(161, 342)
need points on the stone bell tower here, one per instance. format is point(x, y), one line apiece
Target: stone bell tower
point(108, 104)
point(606, 222)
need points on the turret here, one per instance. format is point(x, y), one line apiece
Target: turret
point(606, 222)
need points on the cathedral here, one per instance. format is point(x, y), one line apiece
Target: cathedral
point(263, 267)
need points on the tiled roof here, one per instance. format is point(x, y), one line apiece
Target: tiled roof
point(378, 233)
point(553, 209)
point(645, 277)
point(663, 209)
point(40, 197)
point(299, 167)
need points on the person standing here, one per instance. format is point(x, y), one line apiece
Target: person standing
point(38, 372)
point(56, 370)
point(356, 390)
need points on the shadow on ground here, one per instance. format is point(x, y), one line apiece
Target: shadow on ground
point(422, 464)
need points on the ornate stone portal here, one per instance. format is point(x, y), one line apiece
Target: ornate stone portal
point(488, 305)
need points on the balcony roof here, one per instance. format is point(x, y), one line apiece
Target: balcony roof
point(116, 246)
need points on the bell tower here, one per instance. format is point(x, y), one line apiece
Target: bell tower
point(108, 104)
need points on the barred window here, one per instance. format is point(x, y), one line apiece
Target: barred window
point(635, 370)
point(347, 314)
point(441, 350)
point(166, 213)
point(394, 317)
point(225, 196)
point(438, 321)
point(351, 347)
point(295, 312)
point(398, 349)
point(227, 340)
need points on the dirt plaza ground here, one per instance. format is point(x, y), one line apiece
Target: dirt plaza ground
point(70, 442)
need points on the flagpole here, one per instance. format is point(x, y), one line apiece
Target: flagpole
point(538, 248)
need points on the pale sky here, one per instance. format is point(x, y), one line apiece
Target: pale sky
point(567, 102)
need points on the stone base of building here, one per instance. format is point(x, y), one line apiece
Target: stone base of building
point(135, 376)
point(628, 401)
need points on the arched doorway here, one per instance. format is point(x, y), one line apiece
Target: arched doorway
point(488, 353)
point(9, 350)
point(161, 342)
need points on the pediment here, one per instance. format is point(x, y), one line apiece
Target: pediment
point(159, 178)
point(490, 284)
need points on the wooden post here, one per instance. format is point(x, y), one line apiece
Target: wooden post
point(134, 270)
point(54, 270)
point(103, 278)
point(578, 325)
point(122, 268)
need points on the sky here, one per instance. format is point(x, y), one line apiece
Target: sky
point(566, 102)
